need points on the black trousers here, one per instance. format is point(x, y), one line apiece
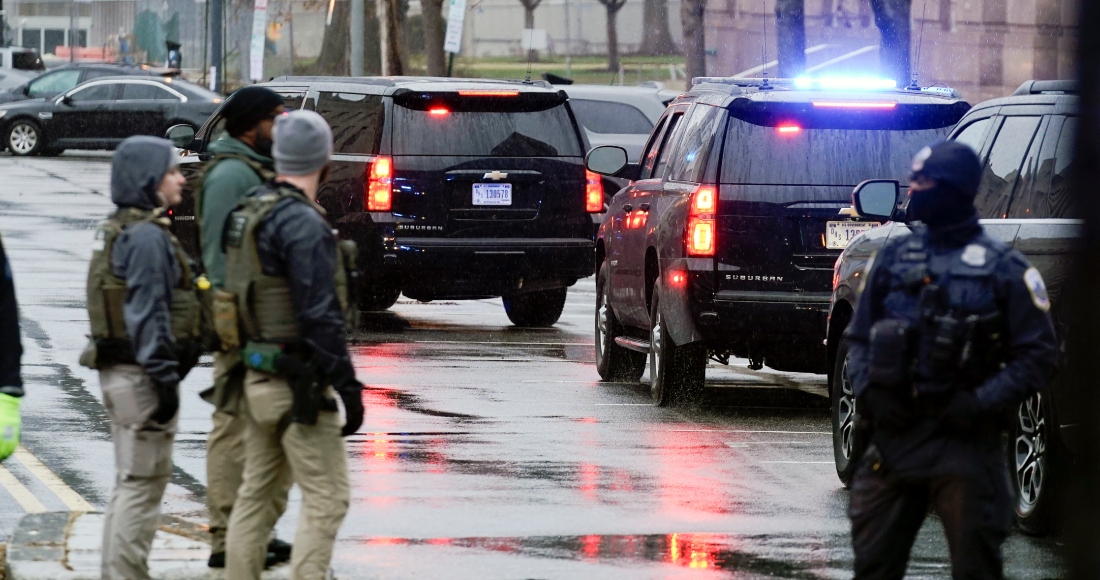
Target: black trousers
point(886, 514)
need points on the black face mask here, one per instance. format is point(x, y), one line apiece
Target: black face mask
point(262, 145)
point(939, 206)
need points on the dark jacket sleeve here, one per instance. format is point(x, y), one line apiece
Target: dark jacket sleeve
point(11, 349)
point(143, 256)
point(1032, 348)
point(868, 306)
point(305, 244)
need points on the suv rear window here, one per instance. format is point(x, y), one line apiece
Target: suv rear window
point(509, 126)
point(791, 144)
point(356, 120)
point(610, 118)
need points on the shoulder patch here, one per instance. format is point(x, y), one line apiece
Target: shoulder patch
point(1038, 290)
point(974, 255)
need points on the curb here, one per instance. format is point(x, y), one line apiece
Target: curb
point(67, 546)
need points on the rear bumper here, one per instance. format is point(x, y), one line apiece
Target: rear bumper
point(770, 316)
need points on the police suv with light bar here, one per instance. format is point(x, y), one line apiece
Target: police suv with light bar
point(452, 189)
point(724, 242)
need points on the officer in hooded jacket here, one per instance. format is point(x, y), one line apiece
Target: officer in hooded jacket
point(951, 333)
point(146, 327)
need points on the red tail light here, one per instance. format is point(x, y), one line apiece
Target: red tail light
point(701, 223)
point(593, 192)
point(489, 93)
point(380, 185)
point(438, 111)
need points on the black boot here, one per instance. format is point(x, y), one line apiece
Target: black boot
point(280, 549)
point(218, 560)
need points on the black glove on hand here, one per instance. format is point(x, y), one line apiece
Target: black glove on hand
point(351, 393)
point(168, 397)
point(886, 410)
point(963, 410)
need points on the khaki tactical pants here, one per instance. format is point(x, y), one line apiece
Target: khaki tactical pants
point(225, 450)
point(316, 458)
point(143, 464)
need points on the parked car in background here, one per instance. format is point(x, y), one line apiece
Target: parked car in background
point(24, 59)
point(1026, 145)
point(100, 113)
point(451, 188)
point(614, 115)
point(65, 77)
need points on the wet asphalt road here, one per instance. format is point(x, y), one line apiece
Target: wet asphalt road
point(487, 451)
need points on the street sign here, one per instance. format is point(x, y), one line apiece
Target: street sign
point(259, 36)
point(455, 19)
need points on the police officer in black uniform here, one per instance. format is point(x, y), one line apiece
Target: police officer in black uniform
point(951, 332)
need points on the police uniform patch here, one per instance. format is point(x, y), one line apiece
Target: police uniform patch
point(1034, 282)
point(974, 255)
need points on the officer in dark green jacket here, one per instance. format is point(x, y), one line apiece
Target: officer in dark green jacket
point(242, 161)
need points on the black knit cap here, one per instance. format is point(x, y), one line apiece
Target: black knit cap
point(247, 107)
point(950, 164)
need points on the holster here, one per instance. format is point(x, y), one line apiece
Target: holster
point(889, 358)
point(304, 380)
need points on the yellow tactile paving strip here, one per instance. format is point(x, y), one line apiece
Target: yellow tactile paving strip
point(23, 495)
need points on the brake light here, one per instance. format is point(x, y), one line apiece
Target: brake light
point(438, 112)
point(855, 104)
point(489, 93)
point(380, 185)
point(701, 222)
point(593, 192)
point(789, 129)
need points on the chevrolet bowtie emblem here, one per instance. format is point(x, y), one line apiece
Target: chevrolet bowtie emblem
point(495, 175)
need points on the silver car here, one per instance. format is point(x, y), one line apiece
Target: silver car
point(614, 115)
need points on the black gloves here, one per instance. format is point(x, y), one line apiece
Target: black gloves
point(351, 393)
point(963, 410)
point(887, 411)
point(168, 397)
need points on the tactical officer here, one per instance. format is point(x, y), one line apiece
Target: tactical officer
point(289, 277)
point(242, 161)
point(11, 351)
point(950, 333)
point(143, 305)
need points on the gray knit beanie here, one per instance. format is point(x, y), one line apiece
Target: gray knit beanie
point(303, 143)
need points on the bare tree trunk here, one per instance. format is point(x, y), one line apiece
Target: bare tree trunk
point(372, 50)
point(334, 48)
point(613, 7)
point(529, 22)
point(892, 19)
point(656, 37)
point(695, 45)
point(790, 34)
point(434, 32)
point(394, 34)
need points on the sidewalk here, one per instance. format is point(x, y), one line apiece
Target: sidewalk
point(66, 546)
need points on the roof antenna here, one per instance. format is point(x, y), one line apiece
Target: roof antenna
point(920, 42)
point(530, 54)
point(764, 49)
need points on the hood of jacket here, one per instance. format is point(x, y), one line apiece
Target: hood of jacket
point(226, 144)
point(138, 166)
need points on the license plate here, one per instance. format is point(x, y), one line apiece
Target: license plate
point(492, 194)
point(838, 234)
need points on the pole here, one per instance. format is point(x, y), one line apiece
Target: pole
point(72, 31)
point(291, 26)
point(357, 17)
point(2, 22)
point(383, 35)
point(217, 56)
point(568, 43)
point(450, 64)
point(205, 40)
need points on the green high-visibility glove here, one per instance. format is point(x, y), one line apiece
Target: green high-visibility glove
point(11, 424)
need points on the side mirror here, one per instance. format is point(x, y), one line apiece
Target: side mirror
point(66, 99)
point(876, 198)
point(606, 160)
point(181, 136)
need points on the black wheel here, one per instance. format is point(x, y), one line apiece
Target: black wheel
point(535, 309)
point(846, 443)
point(676, 373)
point(1032, 457)
point(378, 299)
point(613, 362)
point(24, 138)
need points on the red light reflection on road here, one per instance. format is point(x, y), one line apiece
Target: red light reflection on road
point(691, 550)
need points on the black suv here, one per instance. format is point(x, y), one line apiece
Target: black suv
point(63, 78)
point(453, 189)
point(1026, 144)
point(725, 241)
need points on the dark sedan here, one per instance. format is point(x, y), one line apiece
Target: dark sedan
point(65, 77)
point(99, 114)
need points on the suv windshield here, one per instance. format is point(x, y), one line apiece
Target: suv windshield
point(472, 127)
point(800, 148)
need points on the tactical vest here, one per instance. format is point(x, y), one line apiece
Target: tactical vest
point(107, 292)
point(253, 306)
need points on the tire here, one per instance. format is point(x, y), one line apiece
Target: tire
point(847, 442)
point(378, 300)
point(613, 362)
point(1033, 465)
point(24, 138)
point(535, 309)
point(676, 373)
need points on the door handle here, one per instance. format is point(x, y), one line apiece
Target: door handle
point(627, 207)
point(644, 207)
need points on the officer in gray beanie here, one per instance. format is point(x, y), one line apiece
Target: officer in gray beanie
point(296, 354)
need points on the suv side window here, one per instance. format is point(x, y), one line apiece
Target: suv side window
point(699, 131)
point(1062, 200)
point(671, 138)
point(649, 154)
point(974, 134)
point(356, 120)
point(1030, 199)
point(1003, 167)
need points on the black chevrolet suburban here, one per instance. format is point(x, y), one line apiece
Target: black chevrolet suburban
point(724, 242)
point(1026, 145)
point(452, 189)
